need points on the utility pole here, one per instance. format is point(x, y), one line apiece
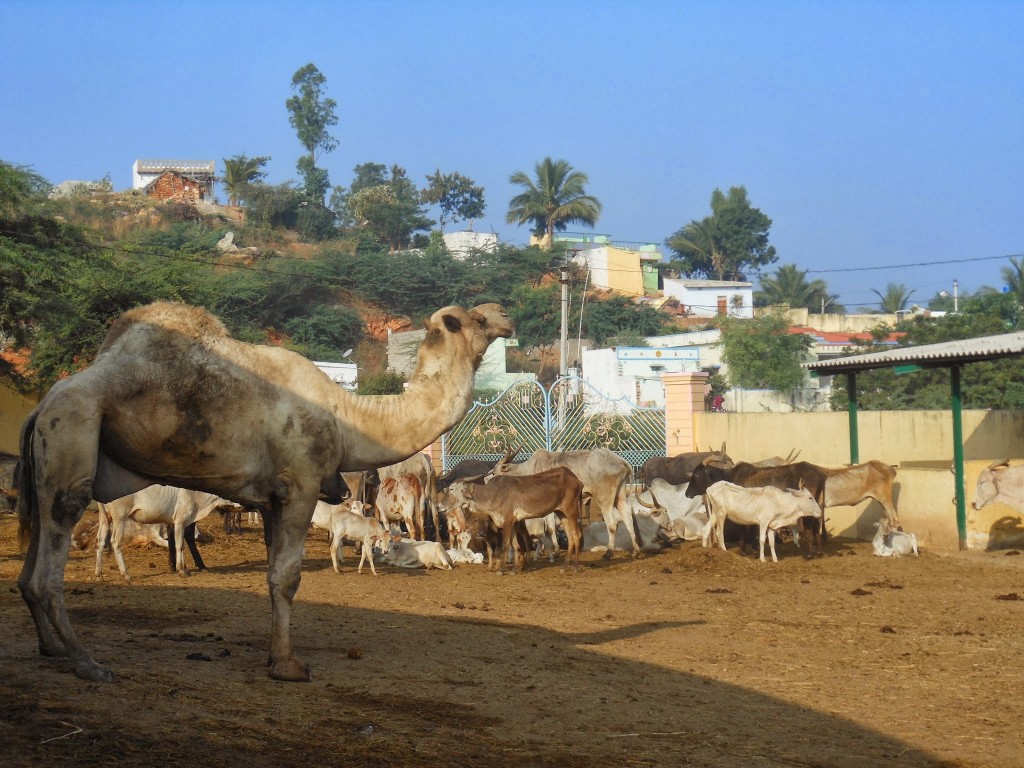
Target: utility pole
point(563, 357)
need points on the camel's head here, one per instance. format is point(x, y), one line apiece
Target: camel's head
point(478, 327)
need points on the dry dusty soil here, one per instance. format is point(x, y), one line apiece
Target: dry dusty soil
point(687, 657)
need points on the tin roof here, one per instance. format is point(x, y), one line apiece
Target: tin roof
point(181, 166)
point(944, 354)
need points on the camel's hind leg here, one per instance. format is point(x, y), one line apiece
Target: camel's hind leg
point(42, 583)
point(57, 483)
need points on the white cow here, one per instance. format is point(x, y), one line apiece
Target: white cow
point(767, 507)
point(999, 482)
point(346, 522)
point(888, 542)
point(418, 554)
point(174, 507)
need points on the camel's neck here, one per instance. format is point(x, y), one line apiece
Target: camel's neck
point(385, 429)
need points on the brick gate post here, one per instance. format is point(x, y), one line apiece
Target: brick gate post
point(684, 396)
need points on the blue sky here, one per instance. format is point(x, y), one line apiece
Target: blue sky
point(871, 133)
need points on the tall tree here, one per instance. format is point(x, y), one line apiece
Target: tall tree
point(312, 114)
point(456, 195)
point(241, 171)
point(895, 297)
point(790, 286)
point(730, 242)
point(554, 199)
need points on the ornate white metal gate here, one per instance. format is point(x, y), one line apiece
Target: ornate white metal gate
point(572, 415)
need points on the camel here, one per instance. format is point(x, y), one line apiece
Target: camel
point(172, 398)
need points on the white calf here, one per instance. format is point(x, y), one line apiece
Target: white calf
point(888, 542)
point(461, 553)
point(346, 522)
point(418, 554)
point(768, 508)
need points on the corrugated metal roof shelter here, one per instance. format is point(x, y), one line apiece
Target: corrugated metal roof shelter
point(948, 354)
point(942, 355)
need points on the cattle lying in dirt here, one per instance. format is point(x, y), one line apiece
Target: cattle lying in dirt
point(135, 534)
point(889, 542)
point(403, 553)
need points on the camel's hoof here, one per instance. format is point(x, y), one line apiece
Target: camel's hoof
point(90, 670)
point(290, 671)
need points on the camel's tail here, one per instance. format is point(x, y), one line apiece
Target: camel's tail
point(24, 482)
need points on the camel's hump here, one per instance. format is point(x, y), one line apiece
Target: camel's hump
point(188, 320)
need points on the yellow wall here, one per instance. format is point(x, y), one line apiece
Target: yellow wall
point(624, 271)
point(918, 443)
point(14, 408)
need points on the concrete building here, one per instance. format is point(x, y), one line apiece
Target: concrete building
point(346, 374)
point(461, 244)
point(627, 268)
point(492, 374)
point(712, 298)
point(634, 373)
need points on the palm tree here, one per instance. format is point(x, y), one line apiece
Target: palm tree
point(241, 171)
point(700, 240)
point(1013, 278)
point(895, 297)
point(555, 199)
point(789, 285)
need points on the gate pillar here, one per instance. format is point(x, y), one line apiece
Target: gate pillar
point(684, 396)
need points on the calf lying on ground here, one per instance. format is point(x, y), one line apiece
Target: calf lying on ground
point(460, 551)
point(417, 554)
point(767, 507)
point(346, 522)
point(888, 542)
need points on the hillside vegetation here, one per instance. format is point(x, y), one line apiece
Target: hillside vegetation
point(69, 266)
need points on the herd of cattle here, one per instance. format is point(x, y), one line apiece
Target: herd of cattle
point(507, 510)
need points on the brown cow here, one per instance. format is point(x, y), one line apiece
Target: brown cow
point(846, 486)
point(510, 499)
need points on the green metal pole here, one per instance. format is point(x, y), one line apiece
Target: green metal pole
point(958, 457)
point(851, 393)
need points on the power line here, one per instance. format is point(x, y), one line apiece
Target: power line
point(916, 264)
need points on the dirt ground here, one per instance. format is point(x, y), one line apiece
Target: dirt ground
point(687, 657)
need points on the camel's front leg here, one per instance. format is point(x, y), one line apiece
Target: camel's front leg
point(290, 526)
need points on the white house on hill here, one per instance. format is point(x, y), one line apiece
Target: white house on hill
point(712, 298)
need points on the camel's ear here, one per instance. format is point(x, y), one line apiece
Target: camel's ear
point(452, 323)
